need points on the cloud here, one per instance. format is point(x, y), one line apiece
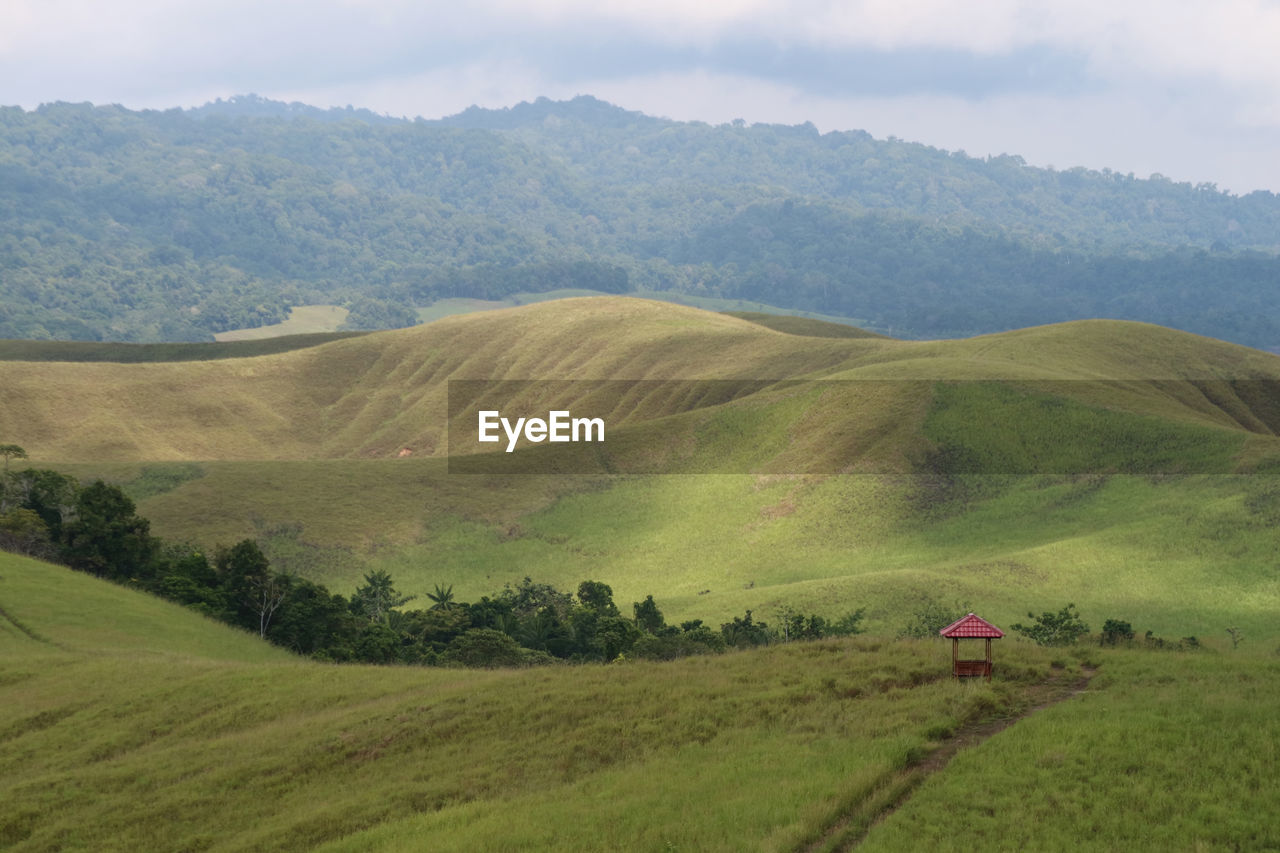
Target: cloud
point(1206, 75)
point(1185, 136)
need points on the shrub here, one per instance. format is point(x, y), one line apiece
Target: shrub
point(1054, 629)
point(1113, 631)
point(484, 647)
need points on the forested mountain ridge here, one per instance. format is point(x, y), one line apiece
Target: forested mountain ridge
point(123, 225)
point(859, 172)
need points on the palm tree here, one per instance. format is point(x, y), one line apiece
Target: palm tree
point(443, 598)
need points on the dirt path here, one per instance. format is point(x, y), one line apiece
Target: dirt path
point(848, 832)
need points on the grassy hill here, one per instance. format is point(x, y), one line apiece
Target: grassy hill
point(127, 722)
point(51, 609)
point(1100, 462)
point(373, 396)
point(1126, 468)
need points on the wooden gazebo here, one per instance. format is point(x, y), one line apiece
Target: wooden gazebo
point(971, 627)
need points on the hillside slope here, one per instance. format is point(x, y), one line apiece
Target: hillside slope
point(376, 395)
point(1119, 452)
point(128, 723)
point(51, 609)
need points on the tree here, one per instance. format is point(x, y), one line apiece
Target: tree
point(1054, 629)
point(49, 494)
point(266, 593)
point(11, 451)
point(244, 573)
point(648, 616)
point(188, 579)
point(107, 537)
point(442, 598)
point(743, 631)
point(543, 631)
point(529, 597)
point(484, 647)
point(378, 643)
point(612, 636)
point(435, 629)
point(378, 597)
point(24, 532)
point(313, 621)
point(597, 596)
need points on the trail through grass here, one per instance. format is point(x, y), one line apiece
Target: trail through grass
point(1165, 751)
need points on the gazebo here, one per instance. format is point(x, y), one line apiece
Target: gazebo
point(971, 627)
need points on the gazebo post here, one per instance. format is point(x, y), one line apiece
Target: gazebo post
point(955, 657)
point(988, 658)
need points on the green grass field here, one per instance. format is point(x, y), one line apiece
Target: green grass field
point(1129, 469)
point(1163, 752)
point(130, 723)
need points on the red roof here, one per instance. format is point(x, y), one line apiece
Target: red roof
point(971, 626)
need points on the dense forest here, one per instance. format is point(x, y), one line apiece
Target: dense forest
point(174, 225)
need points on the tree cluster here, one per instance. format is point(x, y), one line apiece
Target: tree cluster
point(96, 529)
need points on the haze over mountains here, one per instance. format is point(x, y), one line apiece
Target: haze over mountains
point(146, 226)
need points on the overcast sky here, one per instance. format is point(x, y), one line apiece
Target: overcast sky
point(1187, 88)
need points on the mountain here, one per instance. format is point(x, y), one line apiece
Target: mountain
point(169, 226)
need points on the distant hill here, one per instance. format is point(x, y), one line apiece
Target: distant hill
point(375, 395)
point(118, 225)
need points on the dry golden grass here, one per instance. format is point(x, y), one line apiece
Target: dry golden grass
point(377, 395)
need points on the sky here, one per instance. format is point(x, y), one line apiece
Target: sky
point(1184, 88)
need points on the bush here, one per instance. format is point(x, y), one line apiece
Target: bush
point(484, 647)
point(1113, 631)
point(1054, 629)
point(701, 641)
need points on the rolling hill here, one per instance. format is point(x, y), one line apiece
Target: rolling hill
point(1099, 461)
point(1124, 467)
point(373, 396)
